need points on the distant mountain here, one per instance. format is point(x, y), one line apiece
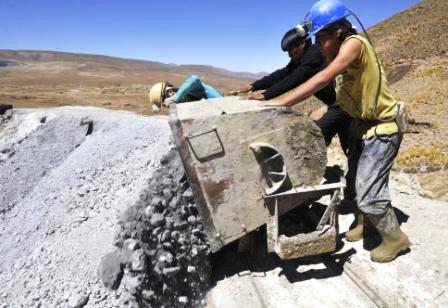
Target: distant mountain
point(48, 78)
point(34, 56)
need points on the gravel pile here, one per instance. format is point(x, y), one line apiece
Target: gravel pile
point(64, 184)
point(162, 256)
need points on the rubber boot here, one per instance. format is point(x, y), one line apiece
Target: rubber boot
point(394, 240)
point(362, 229)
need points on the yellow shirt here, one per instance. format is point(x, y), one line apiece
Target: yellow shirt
point(356, 90)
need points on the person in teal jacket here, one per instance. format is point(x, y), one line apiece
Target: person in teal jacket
point(163, 94)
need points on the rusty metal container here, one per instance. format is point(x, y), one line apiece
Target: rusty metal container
point(235, 153)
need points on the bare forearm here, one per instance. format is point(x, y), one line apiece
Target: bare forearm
point(348, 53)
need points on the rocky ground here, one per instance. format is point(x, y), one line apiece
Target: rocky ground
point(86, 189)
point(162, 255)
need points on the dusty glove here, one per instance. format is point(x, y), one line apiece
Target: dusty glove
point(155, 108)
point(168, 101)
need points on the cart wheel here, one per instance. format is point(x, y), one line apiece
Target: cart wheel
point(272, 167)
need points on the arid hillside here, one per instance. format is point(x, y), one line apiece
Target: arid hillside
point(45, 78)
point(420, 32)
point(413, 45)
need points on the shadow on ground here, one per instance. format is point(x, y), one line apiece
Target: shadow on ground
point(229, 262)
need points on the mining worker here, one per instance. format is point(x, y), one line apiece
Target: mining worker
point(363, 92)
point(163, 94)
point(306, 61)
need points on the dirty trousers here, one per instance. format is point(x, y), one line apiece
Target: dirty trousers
point(370, 162)
point(335, 121)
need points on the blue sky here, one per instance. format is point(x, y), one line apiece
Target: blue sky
point(236, 35)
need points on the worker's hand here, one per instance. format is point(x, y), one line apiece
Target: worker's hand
point(155, 109)
point(245, 88)
point(168, 101)
point(257, 96)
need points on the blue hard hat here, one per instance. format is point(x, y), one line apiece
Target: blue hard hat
point(325, 12)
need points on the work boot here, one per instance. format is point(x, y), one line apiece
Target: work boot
point(362, 229)
point(394, 240)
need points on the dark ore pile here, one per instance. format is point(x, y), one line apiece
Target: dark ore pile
point(161, 256)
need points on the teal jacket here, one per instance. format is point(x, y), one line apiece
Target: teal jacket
point(193, 89)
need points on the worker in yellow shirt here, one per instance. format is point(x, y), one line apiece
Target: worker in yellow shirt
point(363, 92)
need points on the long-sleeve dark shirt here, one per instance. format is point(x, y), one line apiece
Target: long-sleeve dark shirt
point(294, 74)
